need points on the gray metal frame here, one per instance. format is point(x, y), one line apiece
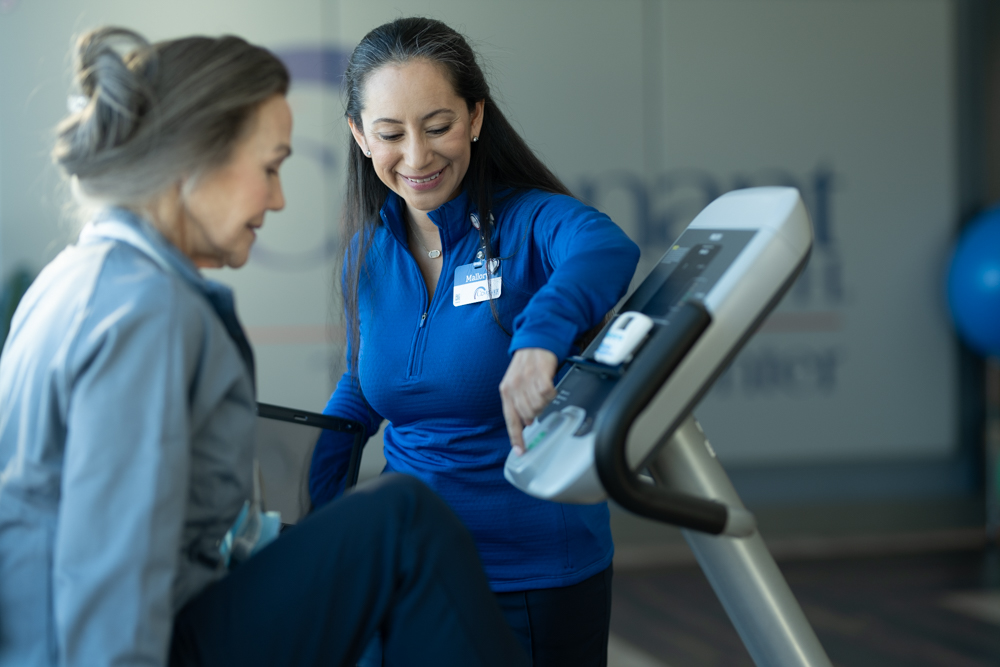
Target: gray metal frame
point(741, 570)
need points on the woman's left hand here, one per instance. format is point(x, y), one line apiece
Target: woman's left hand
point(526, 389)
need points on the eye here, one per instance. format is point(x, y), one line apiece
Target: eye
point(389, 137)
point(438, 131)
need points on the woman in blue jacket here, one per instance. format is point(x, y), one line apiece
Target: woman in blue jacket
point(469, 268)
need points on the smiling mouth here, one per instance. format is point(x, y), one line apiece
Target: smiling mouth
point(430, 178)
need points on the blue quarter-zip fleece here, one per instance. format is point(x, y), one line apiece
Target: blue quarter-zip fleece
point(433, 370)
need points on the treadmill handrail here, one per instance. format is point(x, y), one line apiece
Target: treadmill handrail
point(650, 369)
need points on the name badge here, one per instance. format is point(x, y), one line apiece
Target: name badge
point(476, 282)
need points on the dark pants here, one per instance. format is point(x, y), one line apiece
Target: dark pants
point(390, 556)
point(563, 626)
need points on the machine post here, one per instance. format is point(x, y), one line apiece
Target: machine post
point(741, 570)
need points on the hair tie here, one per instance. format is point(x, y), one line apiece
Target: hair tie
point(77, 103)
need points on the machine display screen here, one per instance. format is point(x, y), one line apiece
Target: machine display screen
point(689, 270)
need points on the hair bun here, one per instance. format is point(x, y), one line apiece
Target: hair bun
point(112, 72)
point(145, 116)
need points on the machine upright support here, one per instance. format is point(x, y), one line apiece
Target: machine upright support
point(741, 570)
point(991, 440)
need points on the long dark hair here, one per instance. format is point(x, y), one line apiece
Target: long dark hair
point(500, 159)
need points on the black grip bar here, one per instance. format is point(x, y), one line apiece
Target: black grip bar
point(647, 373)
point(329, 423)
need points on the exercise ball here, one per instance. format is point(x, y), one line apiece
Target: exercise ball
point(974, 284)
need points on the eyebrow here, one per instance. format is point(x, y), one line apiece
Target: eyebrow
point(399, 122)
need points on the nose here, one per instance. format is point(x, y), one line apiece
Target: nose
point(417, 151)
point(276, 200)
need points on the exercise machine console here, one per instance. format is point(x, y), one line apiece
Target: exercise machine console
point(624, 408)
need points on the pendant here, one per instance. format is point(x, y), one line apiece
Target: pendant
point(433, 254)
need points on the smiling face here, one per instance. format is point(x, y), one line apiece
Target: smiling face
point(419, 132)
point(226, 206)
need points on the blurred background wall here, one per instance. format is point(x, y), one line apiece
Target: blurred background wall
point(855, 388)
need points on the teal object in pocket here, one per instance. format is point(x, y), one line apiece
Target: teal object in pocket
point(253, 529)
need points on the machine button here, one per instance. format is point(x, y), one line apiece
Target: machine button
point(585, 428)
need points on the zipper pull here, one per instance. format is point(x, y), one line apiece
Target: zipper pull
point(423, 318)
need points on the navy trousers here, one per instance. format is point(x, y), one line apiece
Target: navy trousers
point(563, 626)
point(389, 556)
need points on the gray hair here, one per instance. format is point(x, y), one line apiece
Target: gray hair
point(144, 116)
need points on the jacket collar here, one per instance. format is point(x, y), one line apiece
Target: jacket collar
point(452, 218)
point(123, 225)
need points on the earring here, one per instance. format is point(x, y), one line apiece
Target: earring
point(475, 139)
point(368, 153)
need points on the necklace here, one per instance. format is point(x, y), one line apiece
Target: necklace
point(432, 254)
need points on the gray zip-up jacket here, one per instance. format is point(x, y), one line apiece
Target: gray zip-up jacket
point(126, 422)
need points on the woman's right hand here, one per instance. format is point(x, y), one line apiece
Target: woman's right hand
point(526, 389)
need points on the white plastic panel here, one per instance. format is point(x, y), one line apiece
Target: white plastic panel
point(560, 465)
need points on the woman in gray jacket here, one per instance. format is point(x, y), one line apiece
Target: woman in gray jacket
point(127, 408)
